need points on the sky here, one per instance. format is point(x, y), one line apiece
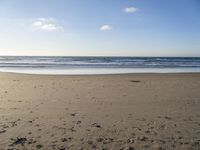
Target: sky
point(100, 27)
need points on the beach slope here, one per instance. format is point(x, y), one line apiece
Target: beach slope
point(132, 111)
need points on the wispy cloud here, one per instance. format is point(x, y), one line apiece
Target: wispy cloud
point(130, 9)
point(47, 24)
point(105, 27)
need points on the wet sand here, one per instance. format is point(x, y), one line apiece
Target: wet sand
point(132, 111)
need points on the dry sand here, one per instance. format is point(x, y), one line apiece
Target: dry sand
point(133, 111)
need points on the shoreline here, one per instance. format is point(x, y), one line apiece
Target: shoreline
point(106, 74)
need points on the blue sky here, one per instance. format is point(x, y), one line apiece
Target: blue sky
point(100, 27)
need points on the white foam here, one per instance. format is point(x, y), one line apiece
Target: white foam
point(91, 71)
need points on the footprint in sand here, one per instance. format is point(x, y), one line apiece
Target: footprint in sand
point(72, 129)
point(2, 131)
point(96, 125)
point(64, 140)
point(73, 114)
point(39, 146)
point(37, 125)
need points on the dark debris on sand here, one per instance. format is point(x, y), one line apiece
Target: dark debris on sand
point(135, 81)
point(18, 141)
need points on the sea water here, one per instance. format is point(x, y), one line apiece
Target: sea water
point(98, 65)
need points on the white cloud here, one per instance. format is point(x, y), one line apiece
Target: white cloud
point(105, 27)
point(130, 10)
point(47, 24)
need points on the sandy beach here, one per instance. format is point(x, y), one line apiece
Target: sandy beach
point(132, 111)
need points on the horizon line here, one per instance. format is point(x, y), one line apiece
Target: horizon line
point(88, 56)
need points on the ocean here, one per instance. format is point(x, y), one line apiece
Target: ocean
point(98, 65)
